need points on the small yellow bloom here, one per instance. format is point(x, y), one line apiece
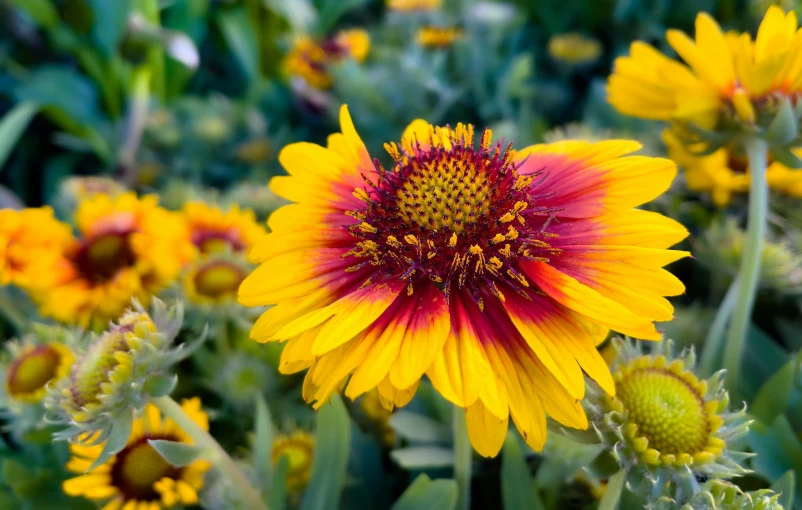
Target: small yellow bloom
point(413, 5)
point(214, 280)
point(214, 230)
point(310, 59)
point(299, 448)
point(574, 48)
point(438, 37)
point(33, 367)
point(138, 477)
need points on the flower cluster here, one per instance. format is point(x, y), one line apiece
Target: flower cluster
point(309, 59)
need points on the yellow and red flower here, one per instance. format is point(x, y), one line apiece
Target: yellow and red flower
point(128, 248)
point(724, 72)
point(494, 272)
point(213, 230)
point(138, 477)
point(310, 59)
point(30, 241)
point(299, 448)
point(32, 367)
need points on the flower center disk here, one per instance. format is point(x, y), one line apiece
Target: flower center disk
point(668, 411)
point(101, 257)
point(33, 370)
point(219, 279)
point(138, 467)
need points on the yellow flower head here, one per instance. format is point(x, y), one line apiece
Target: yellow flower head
point(76, 189)
point(137, 477)
point(213, 230)
point(214, 280)
point(299, 448)
point(32, 367)
point(310, 59)
point(128, 248)
point(725, 173)
point(723, 74)
point(30, 241)
point(574, 48)
point(119, 372)
point(664, 420)
point(495, 272)
point(413, 5)
point(438, 37)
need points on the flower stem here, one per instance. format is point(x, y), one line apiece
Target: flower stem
point(711, 351)
point(749, 273)
point(463, 454)
point(220, 459)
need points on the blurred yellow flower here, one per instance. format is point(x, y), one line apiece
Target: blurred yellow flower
point(574, 48)
point(32, 367)
point(413, 5)
point(214, 230)
point(723, 173)
point(725, 73)
point(438, 37)
point(128, 247)
point(299, 448)
point(138, 477)
point(214, 280)
point(379, 412)
point(309, 59)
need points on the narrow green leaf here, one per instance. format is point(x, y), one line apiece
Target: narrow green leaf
point(332, 449)
point(425, 493)
point(419, 428)
point(300, 14)
point(773, 397)
point(109, 23)
point(240, 36)
point(516, 479)
point(423, 457)
point(778, 450)
point(12, 126)
point(277, 495)
point(783, 127)
point(14, 473)
point(118, 438)
point(177, 454)
point(785, 156)
point(785, 486)
point(43, 12)
point(612, 494)
point(262, 440)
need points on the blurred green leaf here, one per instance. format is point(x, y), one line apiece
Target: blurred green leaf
point(12, 126)
point(176, 453)
point(517, 489)
point(262, 440)
point(609, 500)
point(240, 36)
point(109, 23)
point(332, 448)
point(778, 451)
point(425, 493)
point(763, 358)
point(773, 397)
point(43, 12)
point(785, 487)
point(277, 496)
point(116, 441)
point(419, 428)
point(63, 93)
point(160, 385)
point(300, 14)
point(16, 474)
point(423, 457)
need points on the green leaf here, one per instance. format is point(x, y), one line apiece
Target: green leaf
point(116, 441)
point(262, 440)
point(15, 474)
point(609, 500)
point(423, 457)
point(785, 156)
point(517, 490)
point(109, 23)
point(300, 14)
point(43, 12)
point(783, 127)
point(773, 397)
point(277, 496)
point(160, 385)
point(778, 450)
point(176, 453)
point(425, 493)
point(240, 36)
point(419, 428)
point(785, 487)
point(63, 94)
point(12, 126)
point(332, 449)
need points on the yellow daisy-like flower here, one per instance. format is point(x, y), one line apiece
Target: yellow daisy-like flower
point(494, 272)
point(438, 37)
point(574, 48)
point(128, 248)
point(214, 280)
point(309, 59)
point(30, 241)
point(299, 448)
point(137, 477)
point(413, 5)
point(724, 73)
point(723, 173)
point(33, 366)
point(213, 230)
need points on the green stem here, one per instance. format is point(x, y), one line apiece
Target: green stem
point(221, 338)
point(711, 351)
point(749, 273)
point(135, 125)
point(219, 458)
point(463, 457)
